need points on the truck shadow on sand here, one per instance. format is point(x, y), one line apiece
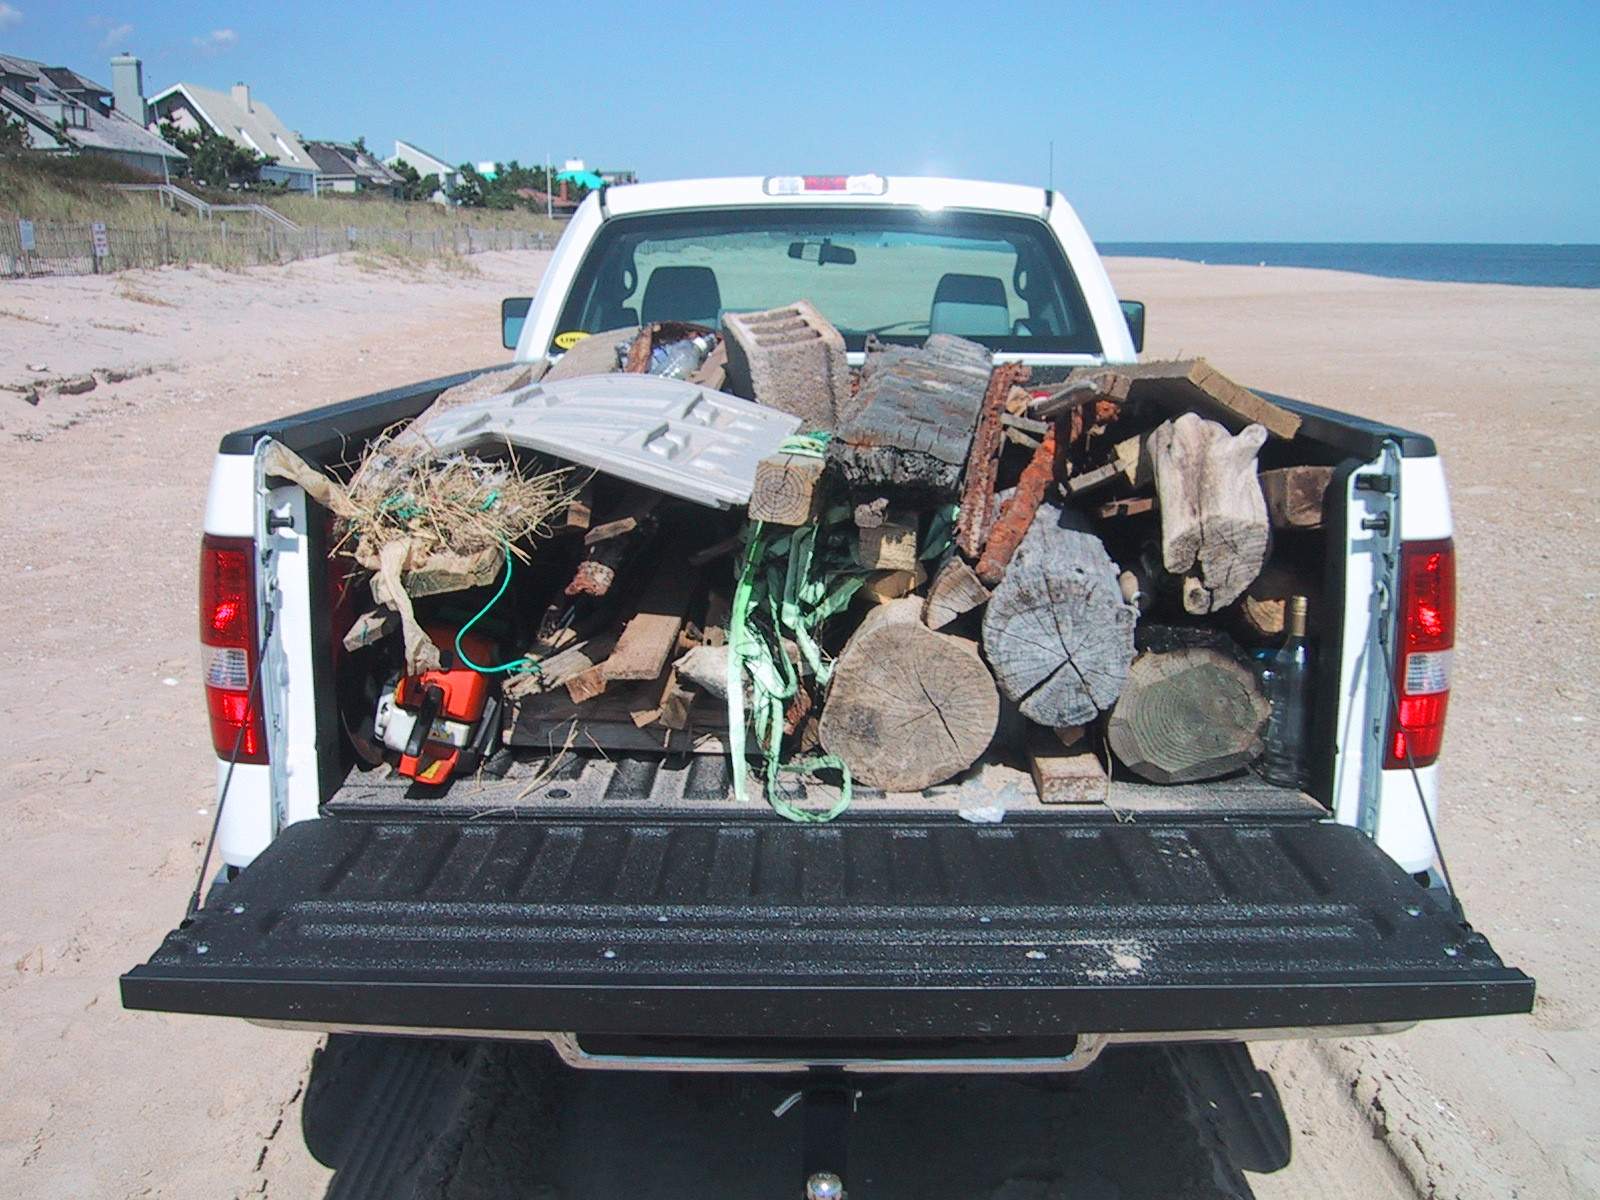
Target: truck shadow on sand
point(440, 1120)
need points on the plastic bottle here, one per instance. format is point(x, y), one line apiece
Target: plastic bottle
point(680, 359)
point(1288, 682)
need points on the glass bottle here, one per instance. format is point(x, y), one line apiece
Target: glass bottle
point(1288, 681)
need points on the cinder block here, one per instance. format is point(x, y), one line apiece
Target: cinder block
point(791, 359)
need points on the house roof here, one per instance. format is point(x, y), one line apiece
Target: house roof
point(36, 93)
point(256, 127)
point(342, 159)
point(410, 152)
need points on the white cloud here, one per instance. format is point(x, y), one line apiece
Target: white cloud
point(116, 37)
point(9, 16)
point(217, 41)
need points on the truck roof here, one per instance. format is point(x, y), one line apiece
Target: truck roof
point(894, 190)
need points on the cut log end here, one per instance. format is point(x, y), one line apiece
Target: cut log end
point(1187, 714)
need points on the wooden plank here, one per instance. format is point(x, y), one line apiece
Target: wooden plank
point(1133, 506)
point(587, 684)
point(579, 513)
point(1295, 495)
point(651, 634)
point(883, 586)
point(611, 529)
point(891, 546)
point(1194, 385)
point(557, 669)
point(1066, 775)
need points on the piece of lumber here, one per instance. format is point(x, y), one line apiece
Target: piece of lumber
point(1057, 630)
point(587, 684)
point(787, 489)
point(713, 372)
point(907, 707)
point(883, 586)
point(1017, 513)
point(611, 529)
point(579, 513)
point(891, 546)
point(1194, 385)
point(1187, 714)
point(1131, 506)
point(983, 462)
point(1214, 528)
point(651, 634)
point(955, 591)
point(1086, 385)
point(1264, 608)
point(716, 550)
point(632, 521)
point(555, 670)
point(1295, 495)
point(606, 723)
point(1066, 774)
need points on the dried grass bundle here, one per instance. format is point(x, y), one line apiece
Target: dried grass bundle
point(463, 504)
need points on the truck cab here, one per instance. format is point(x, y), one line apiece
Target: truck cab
point(629, 911)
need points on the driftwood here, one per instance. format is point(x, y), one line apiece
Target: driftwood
point(1188, 712)
point(1295, 495)
point(1057, 630)
point(908, 707)
point(1214, 529)
point(955, 591)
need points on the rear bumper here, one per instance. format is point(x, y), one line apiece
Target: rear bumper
point(757, 929)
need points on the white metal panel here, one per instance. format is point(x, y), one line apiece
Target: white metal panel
point(231, 496)
point(246, 826)
point(1116, 343)
point(1425, 515)
point(677, 437)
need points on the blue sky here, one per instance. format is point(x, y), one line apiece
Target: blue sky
point(1171, 121)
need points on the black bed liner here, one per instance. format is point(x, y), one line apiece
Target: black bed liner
point(759, 928)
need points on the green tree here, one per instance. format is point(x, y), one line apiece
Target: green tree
point(13, 135)
point(412, 185)
point(214, 159)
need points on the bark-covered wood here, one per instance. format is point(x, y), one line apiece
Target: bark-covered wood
point(977, 489)
point(1018, 512)
point(908, 707)
point(1214, 529)
point(955, 591)
point(1188, 713)
point(1057, 630)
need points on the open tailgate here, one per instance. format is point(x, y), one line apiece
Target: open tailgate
point(759, 928)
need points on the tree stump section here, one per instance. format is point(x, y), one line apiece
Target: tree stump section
point(908, 707)
point(1295, 495)
point(1214, 528)
point(1057, 630)
point(956, 590)
point(1187, 714)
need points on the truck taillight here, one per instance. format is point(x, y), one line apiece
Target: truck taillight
point(228, 646)
point(1426, 638)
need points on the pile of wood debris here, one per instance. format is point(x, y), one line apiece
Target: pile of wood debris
point(947, 561)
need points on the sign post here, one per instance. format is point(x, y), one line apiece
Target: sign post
point(102, 247)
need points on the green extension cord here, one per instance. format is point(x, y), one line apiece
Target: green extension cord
point(523, 664)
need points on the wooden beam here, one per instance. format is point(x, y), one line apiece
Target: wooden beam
point(787, 489)
point(891, 546)
point(651, 634)
point(1194, 385)
point(1017, 516)
point(1066, 775)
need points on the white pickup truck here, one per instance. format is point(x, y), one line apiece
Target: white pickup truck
point(629, 911)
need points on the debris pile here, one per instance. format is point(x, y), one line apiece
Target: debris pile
point(718, 541)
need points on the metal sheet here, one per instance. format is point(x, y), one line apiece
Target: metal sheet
point(679, 438)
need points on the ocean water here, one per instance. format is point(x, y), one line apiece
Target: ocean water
point(1575, 265)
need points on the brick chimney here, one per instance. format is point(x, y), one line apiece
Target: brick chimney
point(241, 96)
point(127, 87)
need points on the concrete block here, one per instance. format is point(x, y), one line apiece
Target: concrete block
point(791, 359)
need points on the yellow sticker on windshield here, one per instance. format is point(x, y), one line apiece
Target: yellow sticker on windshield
point(569, 339)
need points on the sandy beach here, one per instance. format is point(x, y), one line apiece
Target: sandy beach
point(110, 781)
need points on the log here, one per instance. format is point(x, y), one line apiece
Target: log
point(1263, 609)
point(1057, 630)
point(1017, 514)
point(1066, 773)
point(1187, 714)
point(956, 590)
point(1295, 495)
point(787, 489)
point(891, 546)
point(908, 707)
point(651, 634)
point(1214, 528)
